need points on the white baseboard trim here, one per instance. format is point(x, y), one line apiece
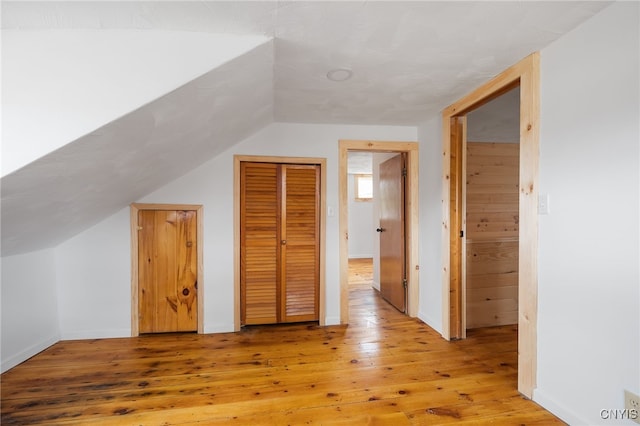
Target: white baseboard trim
point(96, 334)
point(376, 285)
point(332, 321)
point(550, 404)
point(430, 321)
point(360, 256)
point(110, 334)
point(27, 353)
point(218, 328)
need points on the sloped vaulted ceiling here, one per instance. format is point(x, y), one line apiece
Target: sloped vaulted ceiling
point(75, 186)
point(409, 60)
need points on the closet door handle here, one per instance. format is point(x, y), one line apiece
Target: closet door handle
point(380, 229)
point(283, 242)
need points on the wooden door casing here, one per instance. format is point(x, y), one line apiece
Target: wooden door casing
point(456, 229)
point(392, 235)
point(279, 242)
point(526, 75)
point(412, 217)
point(167, 271)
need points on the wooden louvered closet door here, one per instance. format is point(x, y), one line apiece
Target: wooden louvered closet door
point(259, 243)
point(279, 233)
point(299, 248)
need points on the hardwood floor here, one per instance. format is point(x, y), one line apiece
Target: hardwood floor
point(384, 368)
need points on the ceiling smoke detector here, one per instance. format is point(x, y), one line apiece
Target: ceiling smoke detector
point(339, 74)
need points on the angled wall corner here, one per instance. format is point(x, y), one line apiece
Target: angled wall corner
point(59, 85)
point(81, 183)
point(29, 308)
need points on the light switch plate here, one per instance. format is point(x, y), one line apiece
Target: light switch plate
point(543, 204)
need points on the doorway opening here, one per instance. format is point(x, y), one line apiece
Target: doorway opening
point(490, 200)
point(525, 76)
point(409, 150)
point(376, 207)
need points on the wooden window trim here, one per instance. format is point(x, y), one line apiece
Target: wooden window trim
point(356, 186)
point(134, 208)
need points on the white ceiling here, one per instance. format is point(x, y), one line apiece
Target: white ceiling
point(409, 60)
point(83, 182)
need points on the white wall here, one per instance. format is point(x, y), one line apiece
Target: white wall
point(361, 226)
point(589, 300)
point(71, 82)
point(29, 308)
point(430, 137)
point(94, 281)
point(496, 121)
point(94, 267)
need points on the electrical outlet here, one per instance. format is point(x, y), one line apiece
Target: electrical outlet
point(632, 403)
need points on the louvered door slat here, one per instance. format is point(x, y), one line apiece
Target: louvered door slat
point(259, 243)
point(300, 254)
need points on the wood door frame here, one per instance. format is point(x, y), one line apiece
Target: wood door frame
point(457, 229)
point(237, 159)
point(411, 213)
point(134, 208)
point(526, 75)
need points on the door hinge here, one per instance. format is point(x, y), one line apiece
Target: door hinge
point(404, 172)
point(404, 283)
point(461, 234)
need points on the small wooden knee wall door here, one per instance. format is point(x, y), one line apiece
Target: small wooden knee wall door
point(167, 271)
point(279, 242)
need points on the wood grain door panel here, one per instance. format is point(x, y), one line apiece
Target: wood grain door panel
point(392, 237)
point(492, 219)
point(187, 268)
point(167, 271)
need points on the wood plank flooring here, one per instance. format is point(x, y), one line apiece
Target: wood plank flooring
point(384, 368)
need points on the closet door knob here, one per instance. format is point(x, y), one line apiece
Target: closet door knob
point(380, 229)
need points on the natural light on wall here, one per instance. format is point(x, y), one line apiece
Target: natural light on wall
point(364, 187)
